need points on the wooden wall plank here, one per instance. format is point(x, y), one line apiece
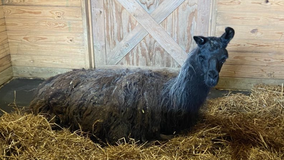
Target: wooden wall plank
point(244, 83)
point(3, 37)
point(5, 63)
point(256, 59)
point(257, 18)
point(44, 49)
point(4, 49)
point(203, 17)
point(46, 33)
point(71, 3)
point(213, 18)
point(43, 12)
point(85, 33)
point(98, 29)
point(256, 52)
point(6, 71)
point(1, 12)
point(183, 23)
point(250, 71)
point(90, 35)
point(2, 25)
point(6, 75)
point(256, 46)
point(257, 32)
point(37, 72)
point(169, 69)
point(248, 6)
point(139, 33)
point(149, 53)
point(46, 38)
point(155, 30)
point(180, 25)
point(48, 61)
point(44, 25)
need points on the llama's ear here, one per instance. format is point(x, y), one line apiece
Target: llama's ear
point(227, 36)
point(200, 40)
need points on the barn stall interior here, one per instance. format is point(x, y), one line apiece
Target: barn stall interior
point(40, 39)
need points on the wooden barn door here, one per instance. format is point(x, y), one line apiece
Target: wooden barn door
point(146, 33)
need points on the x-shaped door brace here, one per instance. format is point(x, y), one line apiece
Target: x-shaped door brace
point(148, 24)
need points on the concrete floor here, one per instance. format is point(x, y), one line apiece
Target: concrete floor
point(21, 92)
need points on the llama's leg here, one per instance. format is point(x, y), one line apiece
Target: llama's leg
point(119, 131)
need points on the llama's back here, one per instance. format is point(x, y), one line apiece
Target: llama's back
point(109, 103)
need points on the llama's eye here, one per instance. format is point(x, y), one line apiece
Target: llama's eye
point(223, 60)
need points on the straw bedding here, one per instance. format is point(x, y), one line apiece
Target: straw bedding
point(231, 127)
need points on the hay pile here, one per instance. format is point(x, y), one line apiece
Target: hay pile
point(232, 127)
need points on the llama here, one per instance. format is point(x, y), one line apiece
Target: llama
point(139, 104)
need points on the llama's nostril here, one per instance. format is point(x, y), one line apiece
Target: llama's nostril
point(213, 74)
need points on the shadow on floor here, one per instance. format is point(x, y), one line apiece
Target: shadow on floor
point(21, 92)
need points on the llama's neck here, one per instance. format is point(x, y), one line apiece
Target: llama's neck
point(187, 91)
point(183, 96)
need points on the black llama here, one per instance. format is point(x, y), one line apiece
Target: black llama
point(139, 104)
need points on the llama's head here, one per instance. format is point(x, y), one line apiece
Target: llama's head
point(212, 55)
